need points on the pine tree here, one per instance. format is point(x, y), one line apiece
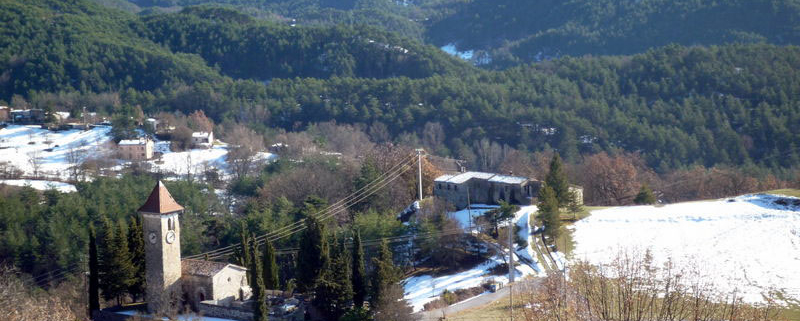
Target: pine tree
point(549, 212)
point(260, 313)
point(359, 274)
point(136, 248)
point(645, 196)
point(557, 180)
point(312, 257)
point(94, 294)
point(384, 273)
point(270, 267)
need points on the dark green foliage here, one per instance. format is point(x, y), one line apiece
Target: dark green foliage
point(557, 180)
point(645, 196)
point(334, 290)
point(116, 269)
point(356, 314)
point(245, 254)
point(529, 31)
point(548, 213)
point(94, 266)
point(48, 235)
point(359, 273)
point(270, 267)
point(500, 214)
point(312, 257)
point(260, 311)
point(136, 248)
point(384, 274)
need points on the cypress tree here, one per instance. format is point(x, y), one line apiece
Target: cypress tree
point(645, 196)
point(383, 274)
point(549, 213)
point(312, 257)
point(334, 291)
point(116, 269)
point(107, 252)
point(246, 256)
point(260, 313)
point(557, 180)
point(270, 267)
point(136, 248)
point(358, 278)
point(94, 294)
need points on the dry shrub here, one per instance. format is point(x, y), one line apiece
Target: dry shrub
point(23, 302)
point(631, 287)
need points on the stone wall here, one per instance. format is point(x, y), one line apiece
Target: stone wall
point(207, 308)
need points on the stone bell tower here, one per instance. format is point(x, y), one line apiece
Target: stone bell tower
point(162, 235)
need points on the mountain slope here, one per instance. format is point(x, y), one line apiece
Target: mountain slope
point(525, 31)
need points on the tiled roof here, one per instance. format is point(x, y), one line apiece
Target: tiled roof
point(160, 201)
point(203, 268)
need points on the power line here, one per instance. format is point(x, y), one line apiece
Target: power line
point(384, 179)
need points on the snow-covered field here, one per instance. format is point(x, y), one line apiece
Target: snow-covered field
point(195, 161)
point(748, 243)
point(422, 289)
point(15, 141)
point(17, 150)
point(40, 185)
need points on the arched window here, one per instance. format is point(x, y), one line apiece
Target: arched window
point(169, 224)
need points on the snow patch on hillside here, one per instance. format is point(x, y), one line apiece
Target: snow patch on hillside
point(18, 144)
point(41, 185)
point(748, 243)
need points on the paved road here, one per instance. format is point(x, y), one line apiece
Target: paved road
point(475, 302)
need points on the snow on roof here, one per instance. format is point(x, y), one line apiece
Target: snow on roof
point(200, 134)
point(132, 142)
point(508, 179)
point(495, 178)
point(443, 178)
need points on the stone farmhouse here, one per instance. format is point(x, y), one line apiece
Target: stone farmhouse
point(202, 139)
point(136, 149)
point(467, 188)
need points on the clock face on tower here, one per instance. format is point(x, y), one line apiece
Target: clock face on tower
point(152, 237)
point(170, 237)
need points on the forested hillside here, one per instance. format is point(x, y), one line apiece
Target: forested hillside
point(676, 106)
point(525, 31)
point(244, 48)
point(509, 32)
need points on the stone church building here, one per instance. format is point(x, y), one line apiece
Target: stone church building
point(172, 282)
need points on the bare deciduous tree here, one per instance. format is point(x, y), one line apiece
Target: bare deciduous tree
point(21, 303)
point(610, 180)
point(245, 144)
point(35, 160)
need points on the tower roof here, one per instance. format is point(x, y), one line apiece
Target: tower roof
point(160, 201)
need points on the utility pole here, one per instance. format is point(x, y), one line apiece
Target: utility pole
point(419, 169)
point(511, 268)
point(469, 209)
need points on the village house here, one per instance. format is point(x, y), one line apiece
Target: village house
point(202, 139)
point(27, 116)
point(221, 282)
point(136, 149)
point(468, 188)
point(485, 188)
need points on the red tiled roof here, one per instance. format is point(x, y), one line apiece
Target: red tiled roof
point(160, 201)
